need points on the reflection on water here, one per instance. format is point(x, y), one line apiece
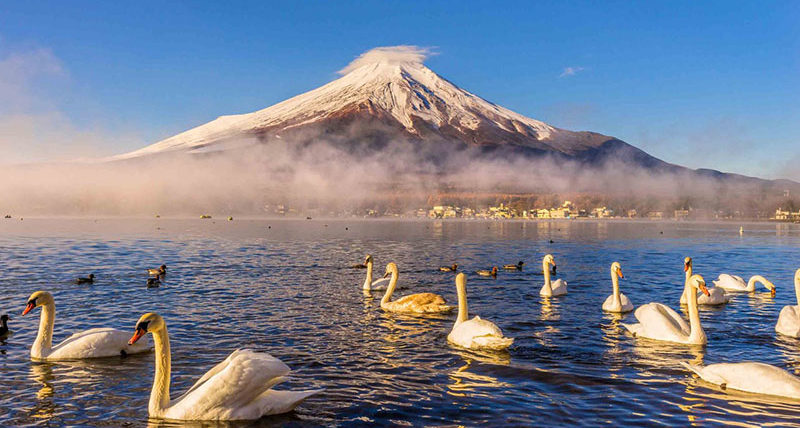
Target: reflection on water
point(287, 290)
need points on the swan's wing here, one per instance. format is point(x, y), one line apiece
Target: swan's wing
point(730, 282)
point(479, 333)
point(96, 343)
point(752, 377)
point(421, 299)
point(661, 322)
point(789, 321)
point(230, 386)
point(559, 287)
point(380, 284)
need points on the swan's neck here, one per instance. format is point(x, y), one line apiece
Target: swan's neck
point(696, 333)
point(44, 339)
point(615, 284)
point(686, 280)
point(797, 288)
point(751, 284)
point(463, 310)
point(390, 289)
point(548, 287)
point(159, 396)
point(368, 281)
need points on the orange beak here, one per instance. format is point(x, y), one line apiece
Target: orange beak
point(29, 307)
point(704, 289)
point(619, 272)
point(685, 267)
point(137, 335)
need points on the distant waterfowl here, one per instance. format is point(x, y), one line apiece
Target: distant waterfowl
point(475, 333)
point(716, 295)
point(659, 322)
point(87, 280)
point(162, 270)
point(92, 343)
point(358, 266)
point(736, 283)
point(756, 378)
point(517, 266)
point(452, 268)
point(789, 319)
point(420, 303)
point(153, 282)
point(379, 284)
point(492, 273)
point(555, 288)
point(4, 331)
point(617, 302)
point(239, 388)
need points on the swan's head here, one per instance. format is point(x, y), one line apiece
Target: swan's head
point(39, 298)
point(368, 259)
point(698, 283)
point(391, 268)
point(687, 264)
point(149, 322)
point(616, 269)
point(549, 260)
point(461, 280)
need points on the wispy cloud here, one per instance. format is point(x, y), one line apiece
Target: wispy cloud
point(570, 71)
point(391, 55)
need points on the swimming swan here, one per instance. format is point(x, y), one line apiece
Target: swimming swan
point(92, 343)
point(556, 288)
point(789, 319)
point(377, 285)
point(736, 283)
point(239, 388)
point(659, 322)
point(476, 333)
point(617, 302)
point(756, 378)
point(716, 295)
point(421, 303)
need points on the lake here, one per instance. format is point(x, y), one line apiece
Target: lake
point(285, 287)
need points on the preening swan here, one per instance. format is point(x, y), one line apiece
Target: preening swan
point(377, 285)
point(556, 288)
point(789, 319)
point(736, 283)
point(476, 333)
point(420, 303)
point(659, 322)
point(239, 388)
point(716, 295)
point(756, 378)
point(93, 343)
point(617, 302)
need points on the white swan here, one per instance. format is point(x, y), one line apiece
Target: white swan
point(239, 388)
point(789, 319)
point(756, 378)
point(476, 333)
point(617, 302)
point(92, 343)
point(716, 295)
point(736, 283)
point(420, 303)
point(370, 285)
point(659, 322)
point(556, 288)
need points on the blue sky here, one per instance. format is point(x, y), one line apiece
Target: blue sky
point(703, 84)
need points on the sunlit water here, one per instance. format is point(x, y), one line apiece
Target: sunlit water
point(283, 287)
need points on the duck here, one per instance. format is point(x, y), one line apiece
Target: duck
point(87, 280)
point(449, 268)
point(475, 333)
point(4, 331)
point(789, 318)
point(379, 284)
point(92, 343)
point(162, 270)
point(153, 282)
point(517, 266)
point(555, 288)
point(736, 283)
point(421, 303)
point(659, 322)
point(492, 273)
point(716, 295)
point(752, 377)
point(238, 388)
point(617, 302)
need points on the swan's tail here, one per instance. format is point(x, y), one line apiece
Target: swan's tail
point(274, 402)
point(694, 368)
point(494, 343)
point(633, 328)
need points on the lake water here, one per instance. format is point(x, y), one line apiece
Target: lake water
point(283, 287)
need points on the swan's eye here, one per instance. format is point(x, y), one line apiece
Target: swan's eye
point(142, 325)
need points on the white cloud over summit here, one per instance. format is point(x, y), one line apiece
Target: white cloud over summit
point(402, 54)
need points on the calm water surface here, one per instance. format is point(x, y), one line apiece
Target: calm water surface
point(283, 287)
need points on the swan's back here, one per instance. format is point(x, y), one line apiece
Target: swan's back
point(660, 322)
point(380, 284)
point(237, 389)
point(97, 343)
point(419, 303)
point(752, 377)
point(479, 333)
point(730, 282)
point(626, 305)
point(789, 321)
